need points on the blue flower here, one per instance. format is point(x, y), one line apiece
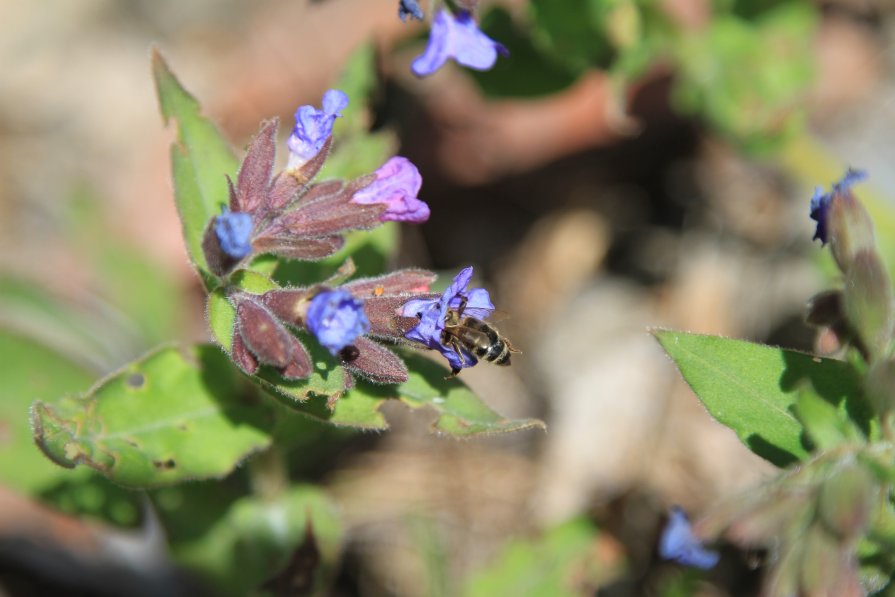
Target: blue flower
point(820, 202)
point(234, 232)
point(336, 318)
point(457, 37)
point(432, 313)
point(679, 544)
point(397, 183)
point(313, 127)
point(410, 8)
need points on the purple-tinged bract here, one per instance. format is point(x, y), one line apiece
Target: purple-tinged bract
point(460, 38)
point(820, 202)
point(410, 8)
point(313, 127)
point(336, 319)
point(234, 232)
point(432, 313)
point(397, 184)
point(678, 543)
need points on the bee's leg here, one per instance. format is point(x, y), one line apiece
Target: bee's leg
point(455, 345)
point(462, 305)
point(510, 347)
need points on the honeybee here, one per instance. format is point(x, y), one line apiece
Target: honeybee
point(480, 339)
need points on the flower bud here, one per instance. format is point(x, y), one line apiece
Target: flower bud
point(846, 501)
point(849, 225)
point(879, 387)
point(868, 302)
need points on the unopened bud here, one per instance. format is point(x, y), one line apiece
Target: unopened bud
point(827, 567)
point(868, 302)
point(825, 309)
point(851, 229)
point(846, 501)
point(879, 387)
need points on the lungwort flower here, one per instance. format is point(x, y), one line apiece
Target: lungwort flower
point(460, 38)
point(431, 313)
point(336, 319)
point(313, 127)
point(234, 233)
point(396, 186)
point(820, 202)
point(679, 544)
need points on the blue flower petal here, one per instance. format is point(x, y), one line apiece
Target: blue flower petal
point(679, 544)
point(460, 38)
point(820, 201)
point(313, 127)
point(336, 318)
point(234, 232)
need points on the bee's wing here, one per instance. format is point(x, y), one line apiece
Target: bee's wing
point(498, 315)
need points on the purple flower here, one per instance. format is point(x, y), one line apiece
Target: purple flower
point(457, 37)
point(234, 232)
point(432, 313)
point(336, 318)
point(313, 127)
point(820, 202)
point(679, 544)
point(410, 8)
point(397, 184)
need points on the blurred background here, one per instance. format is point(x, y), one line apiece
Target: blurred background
point(632, 165)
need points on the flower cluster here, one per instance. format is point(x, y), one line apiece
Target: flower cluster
point(289, 216)
point(344, 318)
point(453, 36)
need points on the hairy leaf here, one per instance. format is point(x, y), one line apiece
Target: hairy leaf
point(171, 416)
point(460, 412)
point(201, 159)
point(753, 389)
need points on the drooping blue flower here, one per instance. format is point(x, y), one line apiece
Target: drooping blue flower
point(679, 544)
point(336, 319)
point(234, 232)
point(460, 38)
point(313, 127)
point(820, 201)
point(432, 313)
point(397, 183)
point(410, 8)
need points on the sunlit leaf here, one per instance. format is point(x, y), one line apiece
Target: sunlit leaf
point(172, 416)
point(460, 411)
point(200, 161)
point(753, 389)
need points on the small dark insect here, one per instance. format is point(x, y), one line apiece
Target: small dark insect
point(480, 339)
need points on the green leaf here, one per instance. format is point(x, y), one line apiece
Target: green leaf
point(460, 412)
point(826, 424)
point(561, 562)
point(200, 160)
point(222, 314)
point(251, 540)
point(573, 32)
point(31, 371)
point(171, 416)
point(753, 389)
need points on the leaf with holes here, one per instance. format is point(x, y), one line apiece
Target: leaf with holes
point(171, 416)
point(460, 411)
point(200, 161)
point(754, 389)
